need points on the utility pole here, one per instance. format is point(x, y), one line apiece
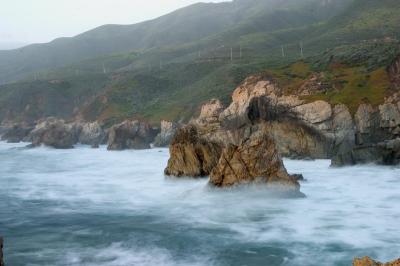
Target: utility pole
point(104, 69)
point(283, 51)
point(240, 53)
point(231, 54)
point(301, 49)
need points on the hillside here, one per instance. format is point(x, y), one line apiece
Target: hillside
point(178, 29)
point(169, 77)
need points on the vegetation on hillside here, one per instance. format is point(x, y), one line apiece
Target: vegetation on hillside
point(166, 68)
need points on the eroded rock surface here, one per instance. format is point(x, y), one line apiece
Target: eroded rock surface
point(367, 261)
point(130, 135)
point(191, 155)
point(54, 133)
point(168, 130)
point(91, 134)
point(255, 160)
point(16, 133)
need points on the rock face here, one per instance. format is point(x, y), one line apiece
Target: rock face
point(377, 136)
point(54, 133)
point(91, 134)
point(1, 252)
point(300, 129)
point(255, 160)
point(367, 261)
point(130, 135)
point(16, 133)
point(192, 155)
point(168, 130)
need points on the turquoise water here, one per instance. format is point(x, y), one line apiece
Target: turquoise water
point(94, 207)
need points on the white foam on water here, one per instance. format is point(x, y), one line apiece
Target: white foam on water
point(356, 206)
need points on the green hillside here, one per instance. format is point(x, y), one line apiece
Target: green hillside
point(182, 28)
point(180, 60)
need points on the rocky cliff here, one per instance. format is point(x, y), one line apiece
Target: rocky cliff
point(367, 261)
point(302, 124)
point(131, 135)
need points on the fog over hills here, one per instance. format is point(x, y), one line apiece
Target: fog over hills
point(164, 68)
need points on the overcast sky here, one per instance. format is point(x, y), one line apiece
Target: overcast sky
point(33, 21)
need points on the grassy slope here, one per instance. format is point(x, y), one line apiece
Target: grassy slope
point(138, 87)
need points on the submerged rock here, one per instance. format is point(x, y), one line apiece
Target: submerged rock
point(367, 261)
point(256, 160)
point(191, 155)
point(130, 135)
point(168, 130)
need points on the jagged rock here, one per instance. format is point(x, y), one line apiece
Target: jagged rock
point(242, 108)
point(210, 112)
point(316, 112)
point(130, 135)
point(387, 152)
point(168, 130)
point(54, 133)
point(367, 261)
point(390, 115)
point(256, 160)
point(16, 133)
point(295, 140)
point(191, 155)
point(1, 252)
point(343, 128)
point(91, 134)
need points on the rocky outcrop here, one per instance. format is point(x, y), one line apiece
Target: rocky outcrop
point(300, 129)
point(91, 134)
point(367, 261)
point(386, 152)
point(1, 252)
point(130, 135)
point(16, 133)
point(210, 113)
point(168, 130)
point(54, 133)
point(255, 160)
point(191, 154)
point(377, 136)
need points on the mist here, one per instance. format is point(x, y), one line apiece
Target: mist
point(24, 22)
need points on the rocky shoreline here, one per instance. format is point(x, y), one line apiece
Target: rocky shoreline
point(300, 129)
point(367, 261)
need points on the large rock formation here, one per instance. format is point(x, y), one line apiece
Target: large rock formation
point(256, 159)
point(367, 261)
point(300, 129)
point(377, 136)
point(130, 135)
point(54, 133)
point(168, 130)
point(191, 154)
